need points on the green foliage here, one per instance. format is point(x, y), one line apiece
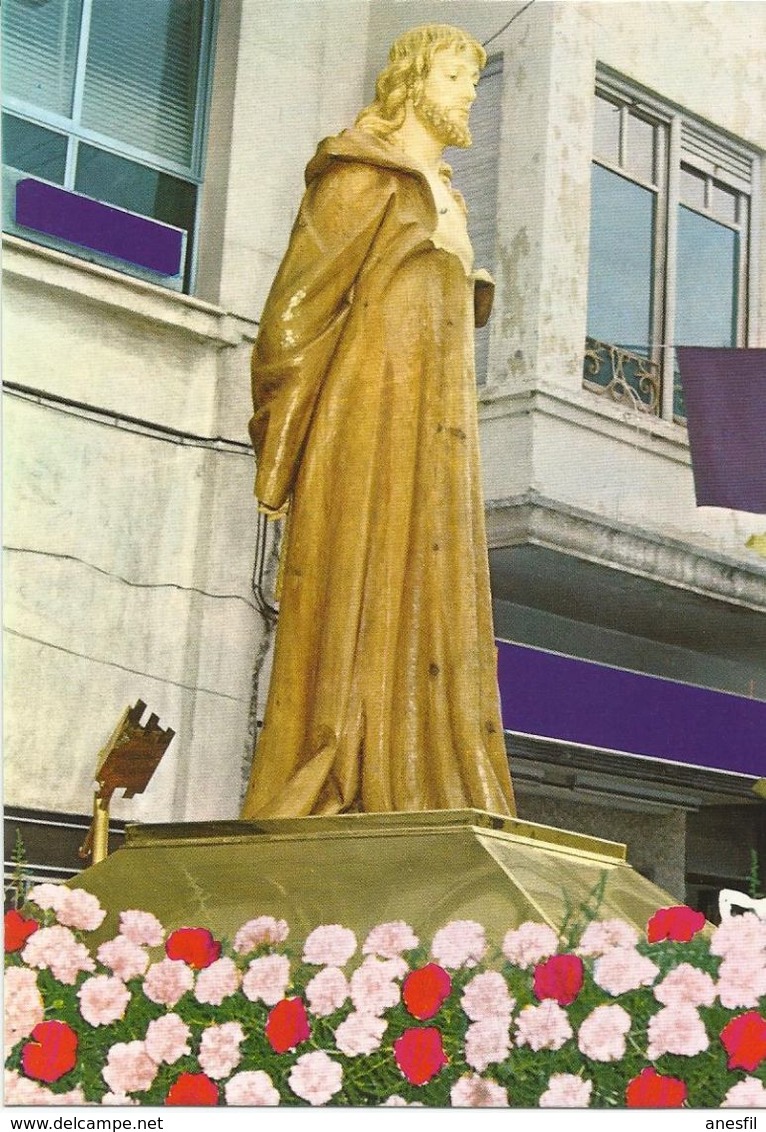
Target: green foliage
point(368, 1079)
point(20, 883)
point(578, 916)
point(754, 877)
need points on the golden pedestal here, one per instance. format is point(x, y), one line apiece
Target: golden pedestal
point(364, 869)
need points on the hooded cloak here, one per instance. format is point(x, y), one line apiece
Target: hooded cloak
point(383, 693)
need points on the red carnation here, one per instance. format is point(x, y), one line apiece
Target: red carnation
point(287, 1025)
point(195, 946)
point(744, 1039)
point(18, 930)
point(425, 990)
point(651, 1090)
point(192, 1088)
point(419, 1054)
point(559, 977)
point(51, 1053)
point(679, 924)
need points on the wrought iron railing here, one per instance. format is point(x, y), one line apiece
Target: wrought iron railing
point(622, 375)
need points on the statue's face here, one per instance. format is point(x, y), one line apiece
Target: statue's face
point(448, 94)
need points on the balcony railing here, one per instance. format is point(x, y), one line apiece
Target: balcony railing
point(622, 375)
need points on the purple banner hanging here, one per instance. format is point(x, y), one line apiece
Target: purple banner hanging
point(578, 701)
point(101, 227)
point(725, 396)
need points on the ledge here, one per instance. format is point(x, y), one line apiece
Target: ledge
point(124, 294)
point(534, 519)
point(587, 411)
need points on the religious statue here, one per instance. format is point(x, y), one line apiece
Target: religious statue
point(383, 694)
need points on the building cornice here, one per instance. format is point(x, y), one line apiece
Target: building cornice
point(532, 519)
point(135, 298)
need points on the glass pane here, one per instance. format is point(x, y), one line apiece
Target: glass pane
point(640, 161)
point(724, 203)
point(620, 272)
point(692, 187)
point(40, 50)
point(33, 149)
point(706, 286)
point(135, 187)
point(606, 137)
point(141, 78)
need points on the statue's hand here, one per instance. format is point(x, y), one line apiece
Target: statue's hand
point(483, 294)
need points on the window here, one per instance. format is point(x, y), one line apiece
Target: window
point(107, 99)
point(669, 246)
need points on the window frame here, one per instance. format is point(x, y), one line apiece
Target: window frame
point(683, 139)
point(75, 133)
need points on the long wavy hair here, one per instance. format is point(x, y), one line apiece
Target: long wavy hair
point(409, 62)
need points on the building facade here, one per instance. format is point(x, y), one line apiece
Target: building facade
point(615, 190)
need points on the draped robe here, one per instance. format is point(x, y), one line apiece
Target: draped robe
point(383, 694)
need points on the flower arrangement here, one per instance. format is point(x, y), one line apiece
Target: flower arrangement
point(673, 1018)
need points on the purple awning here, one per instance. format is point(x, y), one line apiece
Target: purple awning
point(578, 701)
point(725, 396)
point(101, 227)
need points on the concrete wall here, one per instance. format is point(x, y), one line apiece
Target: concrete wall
point(130, 549)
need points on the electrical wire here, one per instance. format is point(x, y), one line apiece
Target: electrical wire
point(515, 16)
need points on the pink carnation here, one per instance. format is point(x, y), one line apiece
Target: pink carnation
point(316, 1078)
point(252, 1087)
point(359, 1033)
point(686, 985)
point(103, 1000)
point(530, 943)
point(23, 1005)
point(395, 1101)
point(125, 958)
point(602, 1034)
point(676, 1029)
point(142, 928)
point(486, 997)
point(601, 936)
point(486, 1043)
point(624, 969)
point(741, 979)
point(477, 1092)
point(217, 982)
point(219, 1051)
point(46, 896)
point(79, 909)
point(543, 1027)
point(57, 950)
point(167, 1039)
point(329, 945)
point(744, 935)
point(256, 933)
point(168, 981)
point(566, 1090)
point(373, 989)
point(267, 979)
point(387, 941)
point(129, 1069)
point(20, 1090)
point(749, 1093)
point(461, 943)
point(327, 991)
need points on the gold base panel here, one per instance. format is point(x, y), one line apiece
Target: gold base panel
point(426, 868)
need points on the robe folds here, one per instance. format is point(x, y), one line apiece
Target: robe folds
point(383, 693)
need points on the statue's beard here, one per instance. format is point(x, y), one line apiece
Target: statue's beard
point(448, 126)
